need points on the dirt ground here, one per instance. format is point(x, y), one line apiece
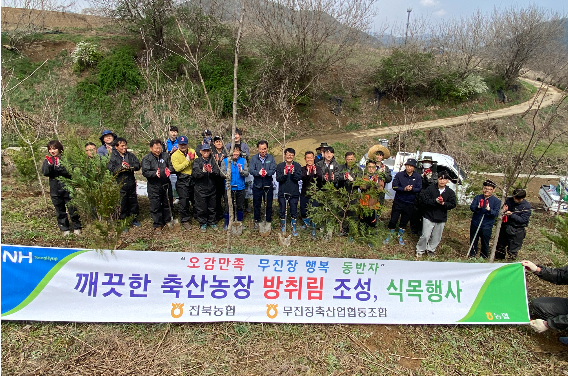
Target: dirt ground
point(17, 17)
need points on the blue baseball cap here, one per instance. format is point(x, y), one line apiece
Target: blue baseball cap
point(182, 139)
point(205, 146)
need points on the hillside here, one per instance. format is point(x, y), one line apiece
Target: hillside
point(17, 17)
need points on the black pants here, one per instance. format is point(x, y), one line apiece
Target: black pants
point(485, 235)
point(404, 211)
point(304, 201)
point(60, 202)
point(159, 194)
point(257, 195)
point(548, 307)
point(293, 201)
point(205, 208)
point(370, 220)
point(416, 221)
point(510, 241)
point(128, 202)
point(220, 194)
point(184, 187)
point(238, 199)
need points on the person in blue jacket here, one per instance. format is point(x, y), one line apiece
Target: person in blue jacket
point(107, 139)
point(288, 175)
point(485, 209)
point(262, 166)
point(239, 171)
point(407, 184)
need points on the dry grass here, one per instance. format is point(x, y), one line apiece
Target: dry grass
point(50, 348)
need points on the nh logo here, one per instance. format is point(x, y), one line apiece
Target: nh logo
point(17, 257)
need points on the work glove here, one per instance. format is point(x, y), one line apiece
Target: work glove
point(481, 203)
point(208, 168)
point(291, 169)
point(487, 206)
point(167, 172)
point(529, 265)
point(240, 167)
point(125, 165)
point(263, 172)
point(56, 161)
point(440, 200)
point(326, 177)
point(191, 155)
point(158, 173)
point(505, 218)
point(374, 178)
point(286, 170)
point(539, 325)
point(49, 159)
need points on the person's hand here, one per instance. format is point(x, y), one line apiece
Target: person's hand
point(174, 149)
point(109, 148)
point(49, 159)
point(487, 207)
point(167, 172)
point(480, 203)
point(508, 213)
point(440, 200)
point(56, 161)
point(125, 165)
point(263, 172)
point(529, 265)
point(332, 176)
point(191, 155)
point(408, 188)
point(291, 169)
point(158, 173)
point(208, 168)
point(382, 169)
point(240, 167)
point(326, 176)
point(539, 325)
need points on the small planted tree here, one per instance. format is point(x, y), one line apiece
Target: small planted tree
point(95, 193)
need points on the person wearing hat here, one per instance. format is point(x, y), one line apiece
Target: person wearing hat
point(262, 166)
point(205, 173)
point(549, 312)
point(243, 146)
point(406, 184)
point(107, 139)
point(157, 167)
point(436, 200)
point(427, 170)
point(485, 208)
point(319, 152)
point(219, 153)
point(123, 164)
point(513, 230)
point(207, 139)
point(182, 161)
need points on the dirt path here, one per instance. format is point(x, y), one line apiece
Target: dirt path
point(551, 96)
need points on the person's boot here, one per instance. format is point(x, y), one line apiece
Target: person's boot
point(240, 216)
point(226, 226)
point(400, 233)
point(255, 227)
point(307, 223)
point(389, 237)
point(293, 224)
point(283, 225)
point(314, 227)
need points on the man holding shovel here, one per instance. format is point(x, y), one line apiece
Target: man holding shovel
point(288, 174)
point(485, 209)
point(262, 166)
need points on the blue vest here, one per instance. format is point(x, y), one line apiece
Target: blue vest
point(237, 181)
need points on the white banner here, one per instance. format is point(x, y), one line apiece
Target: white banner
point(58, 284)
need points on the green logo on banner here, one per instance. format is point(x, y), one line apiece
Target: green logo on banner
point(501, 298)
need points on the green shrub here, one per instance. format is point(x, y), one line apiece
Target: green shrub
point(119, 71)
point(24, 162)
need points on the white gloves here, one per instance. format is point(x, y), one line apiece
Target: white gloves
point(529, 265)
point(539, 325)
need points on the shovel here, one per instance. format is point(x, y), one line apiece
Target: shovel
point(265, 227)
point(284, 240)
point(174, 222)
point(237, 227)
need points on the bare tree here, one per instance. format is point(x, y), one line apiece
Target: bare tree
point(519, 157)
point(521, 36)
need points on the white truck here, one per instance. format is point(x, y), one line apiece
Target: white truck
point(555, 197)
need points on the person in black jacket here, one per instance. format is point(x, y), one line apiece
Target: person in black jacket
point(219, 153)
point(327, 169)
point(205, 173)
point(549, 312)
point(156, 167)
point(60, 197)
point(513, 230)
point(288, 174)
point(308, 179)
point(123, 164)
point(262, 166)
point(436, 201)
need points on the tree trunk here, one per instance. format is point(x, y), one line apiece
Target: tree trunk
point(499, 224)
point(233, 130)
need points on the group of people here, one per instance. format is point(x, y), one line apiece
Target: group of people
point(200, 176)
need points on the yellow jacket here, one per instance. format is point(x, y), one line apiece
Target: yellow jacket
point(180, 163)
